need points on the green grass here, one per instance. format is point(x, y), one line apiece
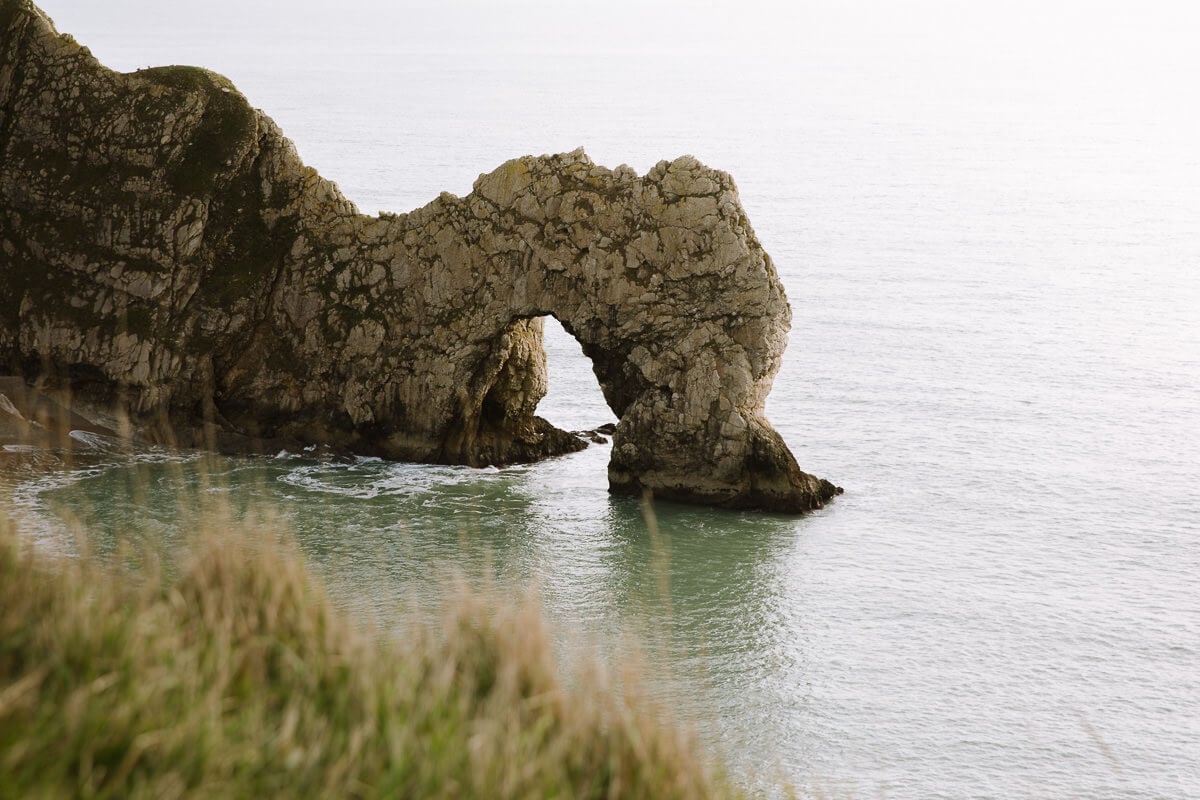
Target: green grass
point(232, 675)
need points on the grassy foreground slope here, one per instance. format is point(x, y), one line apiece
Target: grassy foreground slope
point(237, 678)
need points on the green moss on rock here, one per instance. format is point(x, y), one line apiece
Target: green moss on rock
point(225, 133)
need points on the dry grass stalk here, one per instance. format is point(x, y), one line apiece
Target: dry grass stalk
point(234, 676)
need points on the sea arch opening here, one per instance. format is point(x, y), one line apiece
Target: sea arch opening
point(573, 399)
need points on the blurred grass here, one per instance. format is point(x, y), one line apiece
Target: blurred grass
point(232, 675)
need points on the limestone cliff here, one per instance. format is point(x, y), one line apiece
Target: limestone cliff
point(163, 250)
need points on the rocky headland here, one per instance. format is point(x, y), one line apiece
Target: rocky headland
point(167, 257)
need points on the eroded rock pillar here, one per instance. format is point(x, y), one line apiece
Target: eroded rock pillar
point(664, 283)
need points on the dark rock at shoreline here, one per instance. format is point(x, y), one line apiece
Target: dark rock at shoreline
point(593, 436)
point(29, 416)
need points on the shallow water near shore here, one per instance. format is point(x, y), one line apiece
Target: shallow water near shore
point(995, 350)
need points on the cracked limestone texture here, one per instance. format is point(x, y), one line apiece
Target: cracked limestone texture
point(164, 252)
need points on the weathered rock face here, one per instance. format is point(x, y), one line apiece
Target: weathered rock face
point(162, 247)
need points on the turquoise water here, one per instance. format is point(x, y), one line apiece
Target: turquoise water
point(991, 247)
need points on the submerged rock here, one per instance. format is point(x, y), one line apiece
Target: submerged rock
point(165, 252)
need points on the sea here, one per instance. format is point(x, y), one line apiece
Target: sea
point(987, 221)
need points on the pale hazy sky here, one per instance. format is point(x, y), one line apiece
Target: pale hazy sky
point(1131, 32)
point(1135, 57)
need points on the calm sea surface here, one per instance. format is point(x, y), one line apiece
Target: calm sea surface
point(993, 257)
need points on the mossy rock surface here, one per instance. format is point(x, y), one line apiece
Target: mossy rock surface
point(225, 134)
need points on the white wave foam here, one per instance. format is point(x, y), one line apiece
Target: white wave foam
point(368, 477)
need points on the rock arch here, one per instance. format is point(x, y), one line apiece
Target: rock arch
point(199, 272)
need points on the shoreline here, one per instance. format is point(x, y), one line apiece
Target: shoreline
point(31, 417)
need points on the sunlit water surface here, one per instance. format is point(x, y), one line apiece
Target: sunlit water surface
point(994, 274)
